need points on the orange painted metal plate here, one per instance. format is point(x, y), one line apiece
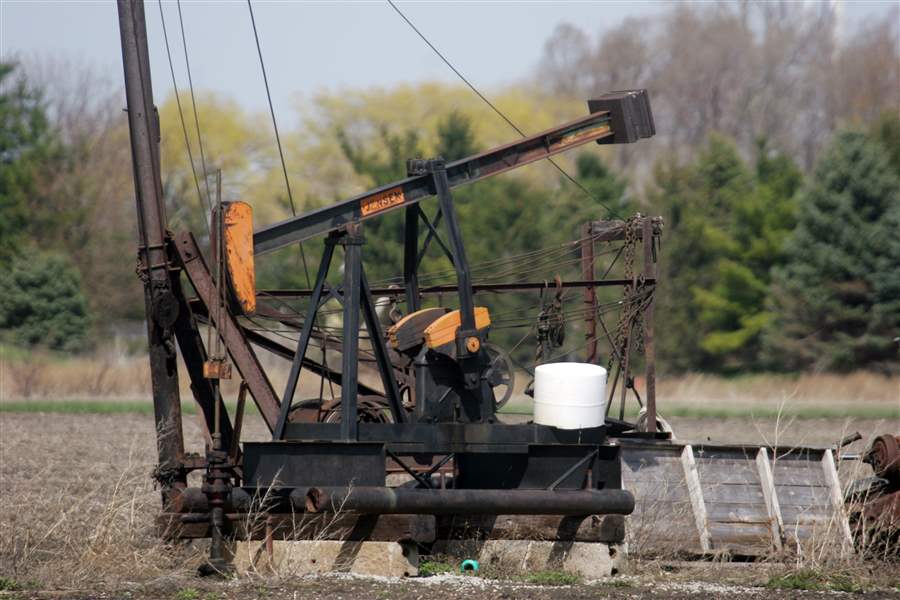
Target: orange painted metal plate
point(443, 330)
point(238, 226)
point(382, 201)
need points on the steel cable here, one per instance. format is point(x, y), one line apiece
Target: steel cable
point(495, 109)
point(287, 183)
point(187, 141)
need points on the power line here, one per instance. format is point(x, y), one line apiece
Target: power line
point(187, 141)
point(491, 104)
point(187, 64)
point(287, 183)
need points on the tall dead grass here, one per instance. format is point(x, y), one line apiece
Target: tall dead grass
point(822, 388)
point(78, 506)
point(103, 375)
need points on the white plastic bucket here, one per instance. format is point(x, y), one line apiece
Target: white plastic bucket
point(570, 395)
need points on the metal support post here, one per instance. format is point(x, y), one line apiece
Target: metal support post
point(649, 349)
point(351, 241)
point(385, 368)
point(590, 293)
point(161, 305)
point(303, 342)
point(410, 259)
point(469, 343)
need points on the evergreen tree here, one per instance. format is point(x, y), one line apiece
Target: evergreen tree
point(572, 207)
point(837, 298)
point(733, 312)
point(697, 202)
point(456, 139)
point(887, 131)
point(26, 143)
point(42, 304)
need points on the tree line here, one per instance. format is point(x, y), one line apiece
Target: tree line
point(775, 168)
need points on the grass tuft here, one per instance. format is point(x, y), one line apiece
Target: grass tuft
point(430, 567)
point(552, 578)
point(187, 594)
point(9, 585)
point(814, 581)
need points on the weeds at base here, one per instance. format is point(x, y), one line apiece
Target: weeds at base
point(812, 580)
point(552, 578)
point(429, 568)
point(9, 585)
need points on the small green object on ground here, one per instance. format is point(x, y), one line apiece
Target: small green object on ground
point(469, 566)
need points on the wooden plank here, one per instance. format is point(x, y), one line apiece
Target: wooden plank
point(837, 500)
point(712, 473)
point(794, 515)
point(667, 473)
point(696, 494)
point(631, 465)
point(728, 512)
point(725, 492)
point(803, 495)
point(754, 534)
point(640, 457)
point(770, 495)
point(801, 477)
point(799, 472)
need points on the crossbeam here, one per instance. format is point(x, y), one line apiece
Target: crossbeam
point(623, 117)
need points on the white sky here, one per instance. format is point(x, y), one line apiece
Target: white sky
point(309, 46)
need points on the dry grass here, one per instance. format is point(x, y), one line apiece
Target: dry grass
point(41, 378)
point(77, 504)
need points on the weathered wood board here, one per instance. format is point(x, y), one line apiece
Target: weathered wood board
point(739, 500)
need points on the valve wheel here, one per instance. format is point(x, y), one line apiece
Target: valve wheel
point(502, 374)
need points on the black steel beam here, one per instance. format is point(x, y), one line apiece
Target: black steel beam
point(411, 190)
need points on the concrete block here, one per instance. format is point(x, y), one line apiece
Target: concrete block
point(287, 558)
point(591, 560)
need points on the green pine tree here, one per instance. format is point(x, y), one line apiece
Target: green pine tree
point(697, 202)
point(837, 298)
point(606, 197)
point(732, 313)
point(26, 144)
point(42, 304)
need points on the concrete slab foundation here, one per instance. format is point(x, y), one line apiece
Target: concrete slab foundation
point(591, 560)
point(292, 558)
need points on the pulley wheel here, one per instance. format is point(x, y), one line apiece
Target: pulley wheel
point(884, 456)
point(369, 409)
point(502, 374)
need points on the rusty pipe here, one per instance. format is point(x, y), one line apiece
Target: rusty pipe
point(384, 500)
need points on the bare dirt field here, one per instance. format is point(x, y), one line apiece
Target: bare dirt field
point(77, 503)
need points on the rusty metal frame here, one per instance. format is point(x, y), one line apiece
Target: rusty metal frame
point(648, 231)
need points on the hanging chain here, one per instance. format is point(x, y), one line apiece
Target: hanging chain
point(627, 316)
point(551, 324)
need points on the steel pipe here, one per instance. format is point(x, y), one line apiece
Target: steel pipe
point(384, 500)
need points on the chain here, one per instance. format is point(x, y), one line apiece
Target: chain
point(551, 324)
point(627, 317)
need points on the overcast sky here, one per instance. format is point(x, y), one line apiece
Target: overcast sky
point(309, 46)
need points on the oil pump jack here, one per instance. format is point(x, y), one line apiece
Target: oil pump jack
point(432, 413)
point(315, 466)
